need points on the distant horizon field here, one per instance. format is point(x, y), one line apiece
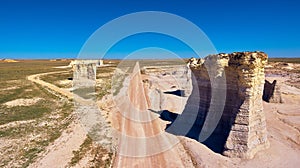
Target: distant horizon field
point(118, 58)
point(271, 59)
point(62, 57)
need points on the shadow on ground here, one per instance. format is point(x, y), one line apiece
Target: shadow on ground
point(190, 122)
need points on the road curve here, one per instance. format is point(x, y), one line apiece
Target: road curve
point(60, 152)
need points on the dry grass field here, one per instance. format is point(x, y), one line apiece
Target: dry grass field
point(28, 126)
point(34, 117)
point(288, 60)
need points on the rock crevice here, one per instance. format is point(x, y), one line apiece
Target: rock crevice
point(272, 93)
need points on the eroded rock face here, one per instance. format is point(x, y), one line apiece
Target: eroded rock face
point(272, 93)
point(84, 74)
point(241, 131)
point(98, 63)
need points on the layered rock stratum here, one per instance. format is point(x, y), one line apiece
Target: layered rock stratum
point(241, 131)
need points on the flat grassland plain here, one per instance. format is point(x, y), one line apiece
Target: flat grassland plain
point(33, 117)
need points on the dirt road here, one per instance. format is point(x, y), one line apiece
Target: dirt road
point(60, 152)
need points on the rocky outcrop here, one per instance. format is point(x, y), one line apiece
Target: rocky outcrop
point(96, 62)
point(272, 93)
point(84, 74)
point(8, 60)
point(241, 131)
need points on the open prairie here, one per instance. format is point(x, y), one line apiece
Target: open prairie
point(38, 125)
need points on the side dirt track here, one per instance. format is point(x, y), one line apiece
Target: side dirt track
point(60, 152)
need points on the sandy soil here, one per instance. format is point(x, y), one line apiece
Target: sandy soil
point(36, 78)
point(283, 125)
point(65, 82)
point(60, 152)
point(22, 102)
point(10, 88)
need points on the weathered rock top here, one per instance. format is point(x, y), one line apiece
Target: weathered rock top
point(86, 62)
point(250, 59)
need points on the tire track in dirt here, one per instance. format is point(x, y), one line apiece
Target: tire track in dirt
point(60, 152)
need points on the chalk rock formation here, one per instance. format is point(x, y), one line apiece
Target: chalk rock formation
point(84, 73)
point(241, 131)
point(9, 60)
point(157, 100)
point(142, 139)
point(193, 62)
point(272, 93)
point(98, 63)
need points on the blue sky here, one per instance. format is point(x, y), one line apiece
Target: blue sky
point(59, 28)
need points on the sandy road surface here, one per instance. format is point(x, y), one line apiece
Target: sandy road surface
point(36, 79)
point(59, 153)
